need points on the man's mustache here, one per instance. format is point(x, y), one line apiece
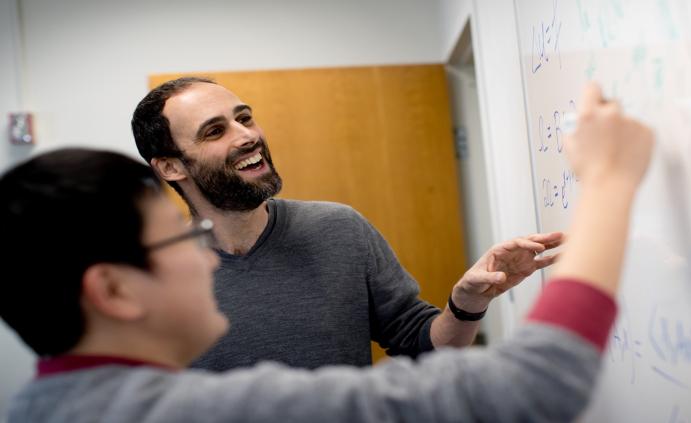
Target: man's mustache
point(235, 155)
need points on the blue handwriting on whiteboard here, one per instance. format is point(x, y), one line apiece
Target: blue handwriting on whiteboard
point(568, 183)
point(625, 347)
point(675, 417)
point(549, 192)
point(549, 130)
point(671, 341)
point(546, 41)
point(562, 191)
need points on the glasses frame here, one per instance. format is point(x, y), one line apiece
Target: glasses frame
point(202, 228)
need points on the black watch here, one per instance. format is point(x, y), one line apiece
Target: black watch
point(463, 315)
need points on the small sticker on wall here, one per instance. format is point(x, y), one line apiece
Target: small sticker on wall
point(21, 128)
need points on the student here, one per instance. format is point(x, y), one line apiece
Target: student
point(305, 283)
point(121, 301)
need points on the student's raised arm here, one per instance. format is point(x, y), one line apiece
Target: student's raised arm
point(610, 154)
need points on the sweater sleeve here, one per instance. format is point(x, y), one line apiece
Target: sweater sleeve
point(400, 321)
point(544, 373)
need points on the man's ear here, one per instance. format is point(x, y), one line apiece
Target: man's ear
point(169, 169)
point(110, 290)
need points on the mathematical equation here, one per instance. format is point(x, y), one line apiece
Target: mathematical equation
point(558, 193)
point(546, 41)
point(550, 135)
point(624, 347)
point(670, 341)
point(557, 189)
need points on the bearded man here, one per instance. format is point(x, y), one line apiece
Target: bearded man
point(307, 284)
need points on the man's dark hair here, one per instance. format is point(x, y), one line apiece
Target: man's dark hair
point(152, 130)
point(61, 213)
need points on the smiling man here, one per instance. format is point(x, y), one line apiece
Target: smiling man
point(304, 283)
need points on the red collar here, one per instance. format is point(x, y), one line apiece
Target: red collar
point(68, 363)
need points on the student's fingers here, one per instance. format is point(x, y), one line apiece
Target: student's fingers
point(591, 97)
point(613, 107)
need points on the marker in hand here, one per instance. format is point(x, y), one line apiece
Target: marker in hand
point(569, 123)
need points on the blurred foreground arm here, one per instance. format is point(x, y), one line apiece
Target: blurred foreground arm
point(610, 154)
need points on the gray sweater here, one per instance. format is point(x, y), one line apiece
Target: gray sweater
point(543, 374)
point(317, 286)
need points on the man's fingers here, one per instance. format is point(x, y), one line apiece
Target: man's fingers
point(530, 245)
point(484, 278)
point(550, 245)
point(542, 262)
point(497, 277)
point(545, 237)
point(537, 243)
point(550, 238)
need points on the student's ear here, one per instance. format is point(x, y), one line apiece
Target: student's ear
point(168, 168)
point(109, 290)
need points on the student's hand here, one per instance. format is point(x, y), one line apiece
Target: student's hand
point(607, 145)
point(502, 267)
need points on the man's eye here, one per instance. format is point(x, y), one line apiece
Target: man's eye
point(214, 132)
point(245, 119)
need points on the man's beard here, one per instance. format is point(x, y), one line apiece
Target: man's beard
point(224, 188)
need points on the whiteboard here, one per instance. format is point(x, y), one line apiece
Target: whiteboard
point(640, 53)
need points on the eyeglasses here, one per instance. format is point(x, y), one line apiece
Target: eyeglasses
point(202, 231)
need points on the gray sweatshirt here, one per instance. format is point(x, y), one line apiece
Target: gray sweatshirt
point(543, 374)
point(319, 284)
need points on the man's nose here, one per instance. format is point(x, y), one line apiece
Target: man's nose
point(243, 136)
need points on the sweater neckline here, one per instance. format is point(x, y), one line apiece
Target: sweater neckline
point(72, 362)
point(271, 231)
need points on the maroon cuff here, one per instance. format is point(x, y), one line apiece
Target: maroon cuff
point(67, 363)
point(578, 307)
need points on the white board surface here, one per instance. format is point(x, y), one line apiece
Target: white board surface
point(640, 53)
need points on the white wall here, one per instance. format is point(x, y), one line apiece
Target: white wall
point(472, 171)
point(16, 361)
point(87, 61)
point(11, 90)
point(472, 166)
point(505, 133)
point(453, 16)
point(504, 130)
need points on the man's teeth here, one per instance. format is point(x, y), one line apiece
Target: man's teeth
point(249, 161)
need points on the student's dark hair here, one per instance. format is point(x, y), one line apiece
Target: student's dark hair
point(62, 212)
point(151, 129)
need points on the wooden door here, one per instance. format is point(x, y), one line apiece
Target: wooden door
point(377, 138)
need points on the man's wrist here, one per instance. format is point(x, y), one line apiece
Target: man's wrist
point(472, 303)
point(465, 315)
